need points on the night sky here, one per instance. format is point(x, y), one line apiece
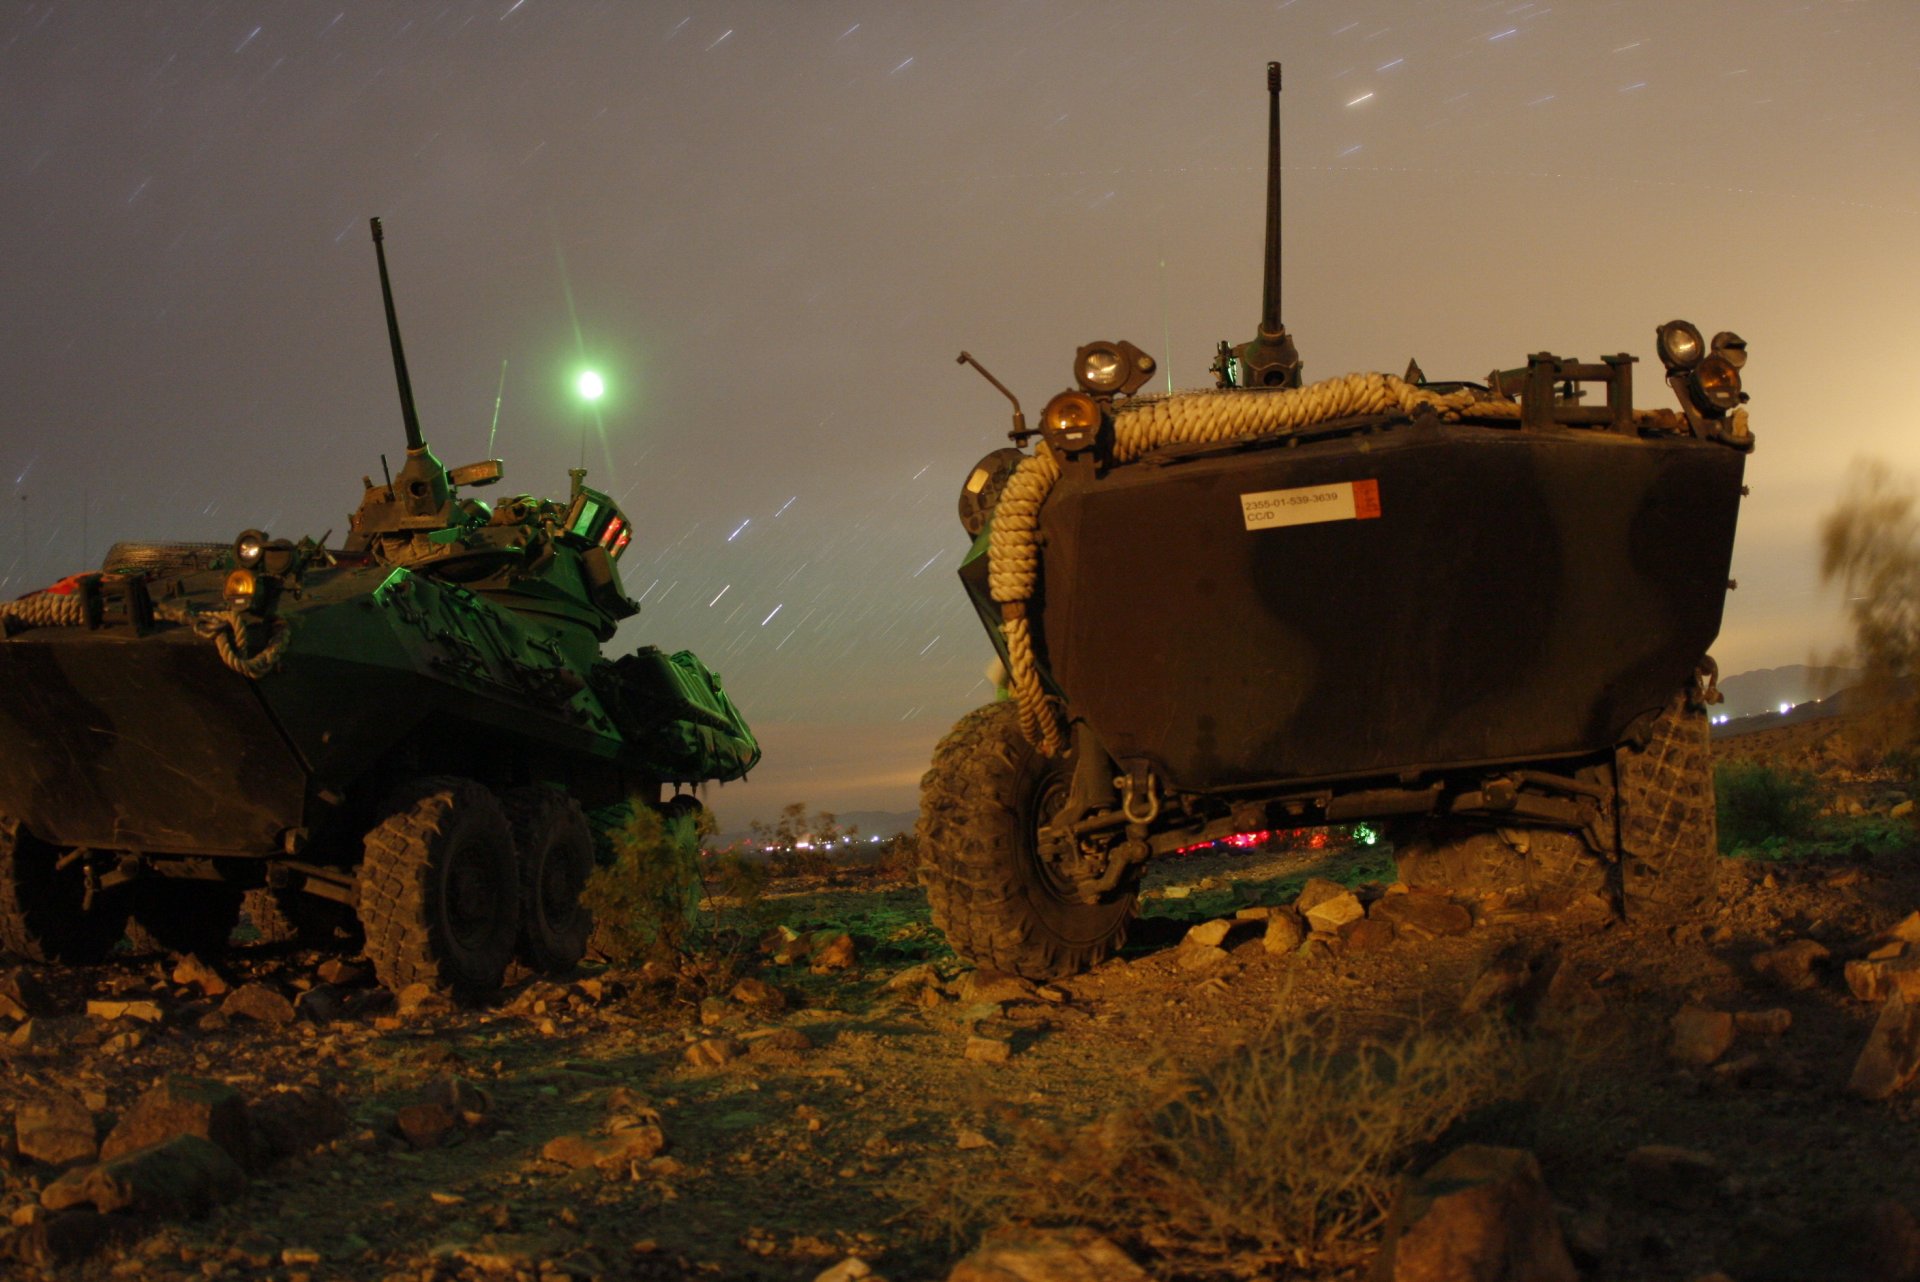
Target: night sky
point(773, 225)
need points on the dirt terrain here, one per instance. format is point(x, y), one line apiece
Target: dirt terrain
point(846, 1103)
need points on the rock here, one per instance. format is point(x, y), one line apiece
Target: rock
point(988, 985)
point(191, 970)
point(1890, 1060)
point(834, 953)
point(1202, 957)
point(1767, 1023)
point(1875, 979)
point(56, 1129)
point(911, 979)
point(1556, 995)
point(321, 1004)
point(425, 1126)
point(1791, 965)
point(1502, 979)
point(55, 1241)
point(758, 994)
point(968, 1140)
point(629, 1144)
point(38, 1034)
point(181, 1177)
point(1047, 1255)
point(711, 1052)
point(1907, 929)
point(144, 1011)
point(1285, 931)
point(1257, 912)
point(779, 1044)
point(458, 1096)
point(1317, 891)
point(1330, 915)
point(851, 1269)
point(1901, 811)
point(1480, 1214)
point(257, 1002)
point(1556, 866)
point(339, 971)
point(213, 1111)
point(1665, 1175)
point(987, 1049)
point(1209, 934)
point(1422, 915)
point(1700, 1035)
point(290, 1122)
point(1366, 934)
point(22, 997)
point(1875, 1243)
point(422, 998)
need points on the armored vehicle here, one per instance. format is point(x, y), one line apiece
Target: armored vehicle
point(409, 728)
point(1457, 608)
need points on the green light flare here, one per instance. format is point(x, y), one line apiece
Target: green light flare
point(590, 385)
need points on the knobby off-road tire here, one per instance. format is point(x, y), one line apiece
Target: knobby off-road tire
point(439, 889)
point(981, 806)
point(1668, 835)
point(41, 918)
point(180, 916)
point(555, 846)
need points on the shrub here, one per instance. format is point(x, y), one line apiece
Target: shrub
point(1291, 1143)
point(1870, 550)
point(1758, 803)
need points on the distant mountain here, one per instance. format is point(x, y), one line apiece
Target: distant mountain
point(1763, 690)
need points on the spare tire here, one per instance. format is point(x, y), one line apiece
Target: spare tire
point(164, 558)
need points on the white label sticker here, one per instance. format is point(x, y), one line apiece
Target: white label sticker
point(1309, 504)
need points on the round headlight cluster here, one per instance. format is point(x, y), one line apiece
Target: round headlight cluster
point(250, 548)
point(1101, 368)
point(1071, 421)
point(1711, 373)
point(1681, 346)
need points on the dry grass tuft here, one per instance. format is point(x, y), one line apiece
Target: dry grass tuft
point(1285, 1150)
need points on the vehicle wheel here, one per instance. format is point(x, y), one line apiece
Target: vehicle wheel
point(555, 846)
point(169, 915)
point(291, 917)
point(439, 889)
point(163, 557)
point(981, 805)
point(41, 917)
point(1669, 840)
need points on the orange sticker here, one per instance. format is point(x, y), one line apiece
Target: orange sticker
point(1366, 500)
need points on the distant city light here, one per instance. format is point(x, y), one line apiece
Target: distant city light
point(1785, 708)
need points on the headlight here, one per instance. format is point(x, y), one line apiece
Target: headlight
point(1101, 367)
point(249, 548)
point(1681, 346)
point(1730, 347)
point(241, 586)
point(1715, 385)
point(1071, 421)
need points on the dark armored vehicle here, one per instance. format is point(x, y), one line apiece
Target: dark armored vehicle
point(411, 726)
point(1460, 607)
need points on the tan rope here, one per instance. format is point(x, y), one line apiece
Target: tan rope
point(45, 610)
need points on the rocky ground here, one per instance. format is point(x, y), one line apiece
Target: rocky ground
point(1742, 1105)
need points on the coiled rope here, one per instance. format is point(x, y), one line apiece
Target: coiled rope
point(1148, 423)
point(45, 610)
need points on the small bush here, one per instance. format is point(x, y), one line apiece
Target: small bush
point(645, 894)
point(1292, 1143)
point(1758, 803)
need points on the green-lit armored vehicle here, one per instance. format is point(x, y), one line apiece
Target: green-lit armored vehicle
point(1464, 607)
point(411, 726)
